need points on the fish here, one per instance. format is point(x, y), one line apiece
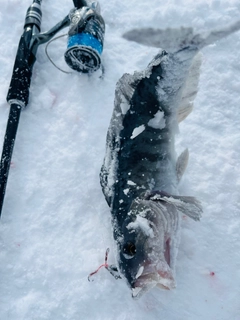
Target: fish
point(141, 171)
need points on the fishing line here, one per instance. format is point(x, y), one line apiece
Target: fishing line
point(50, 59)
point(67, 72)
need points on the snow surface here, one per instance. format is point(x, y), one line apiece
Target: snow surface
point(56, 225)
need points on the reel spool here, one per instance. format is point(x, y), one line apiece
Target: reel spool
point(85, 39)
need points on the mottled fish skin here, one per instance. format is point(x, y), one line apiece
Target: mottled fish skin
point(147, 161)
point(139, 175)
point(140, 154)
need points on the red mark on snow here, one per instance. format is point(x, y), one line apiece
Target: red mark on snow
point(12, 164)
point(216, 283)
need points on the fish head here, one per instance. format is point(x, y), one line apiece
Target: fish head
point(146, 248)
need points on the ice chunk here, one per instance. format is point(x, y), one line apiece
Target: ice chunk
point(158, 122)
point(137, 131)
point(143, 224)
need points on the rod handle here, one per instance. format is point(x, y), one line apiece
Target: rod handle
point(22, 73)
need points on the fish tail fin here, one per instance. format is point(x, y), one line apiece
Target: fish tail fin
point(173, 40)
point(217, 34)
point(169, 39)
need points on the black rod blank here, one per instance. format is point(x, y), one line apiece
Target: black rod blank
point(9, 139)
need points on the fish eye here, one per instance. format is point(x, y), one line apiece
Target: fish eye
point(129, 250)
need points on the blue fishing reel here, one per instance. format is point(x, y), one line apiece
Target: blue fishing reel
point(85, 39)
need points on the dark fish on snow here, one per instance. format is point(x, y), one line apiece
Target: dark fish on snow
point(141, 172)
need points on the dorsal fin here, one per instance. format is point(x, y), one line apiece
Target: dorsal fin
point(190, 88)
point(181, 164)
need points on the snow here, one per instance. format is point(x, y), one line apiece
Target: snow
point(137, 131)
point(143, 224)
point(56, 225)
point(158, 122)
point(131, 183)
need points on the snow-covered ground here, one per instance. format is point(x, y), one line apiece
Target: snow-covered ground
point(56, 225)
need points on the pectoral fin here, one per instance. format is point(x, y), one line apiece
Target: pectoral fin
point(189, 206)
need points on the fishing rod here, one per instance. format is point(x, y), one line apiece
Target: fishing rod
point(83, 54)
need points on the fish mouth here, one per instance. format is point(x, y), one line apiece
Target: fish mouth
point(162, 277)
point(151, 274)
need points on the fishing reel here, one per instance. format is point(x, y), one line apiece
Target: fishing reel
point(85, 39)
